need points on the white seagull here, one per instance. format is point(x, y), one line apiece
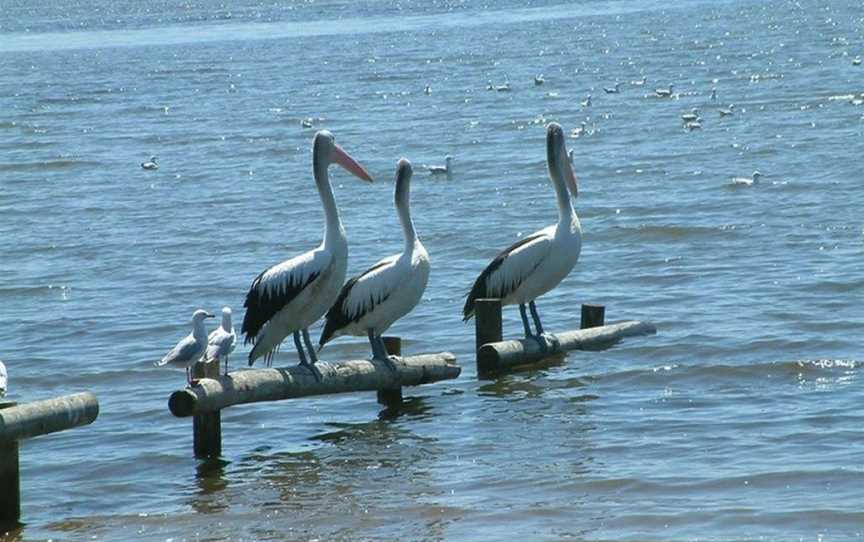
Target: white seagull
point(3, 380)
point(291, 296)
point(538, 80)
point(538, 262)
point(221, 341)
point(664, 92)
point(612, 90)
point(370, 302)
point(442, 170)
point(693, 115)
point(726, 112)
point(747, 181)
point(150, 164)
point(190, 348)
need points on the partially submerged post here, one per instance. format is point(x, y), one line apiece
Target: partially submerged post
point(31, 420)
point(499, 356)
point(488, 327)
point(207, 426)
point(391, 397)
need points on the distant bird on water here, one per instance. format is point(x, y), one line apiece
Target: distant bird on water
point(150, 164)
point(538, 262)
point(745, 181)
point(693, 115)
point(612, 90)
point(427, 90)
point(639, 82)
point(221, 341)
point(4, 381)
point(586, 102)
point(538, 79)
point(190, 348)
point(664, 92)
point(727, 111)
point(290, 296)
point(446, 169)
point(372, 301)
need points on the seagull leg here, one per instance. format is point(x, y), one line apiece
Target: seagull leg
point(524, 316)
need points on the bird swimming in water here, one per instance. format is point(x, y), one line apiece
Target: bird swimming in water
point(727, 111)
point(612, 90)
point(150, 164)
point(538, 79)
point(190, 348)
point(664, 92)
point(744, 181)
point(442, 170)
point(693, 115)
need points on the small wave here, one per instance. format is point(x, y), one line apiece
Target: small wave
point(49, 165)
point(671, 232)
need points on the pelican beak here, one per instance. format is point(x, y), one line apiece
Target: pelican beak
point(351, 166)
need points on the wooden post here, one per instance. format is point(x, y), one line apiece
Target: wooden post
point(207, 427)
point(391, 397)
point(488, 328)
point(10, 482)
point(592, 315)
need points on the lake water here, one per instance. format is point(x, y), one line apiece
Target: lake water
point(740, 420)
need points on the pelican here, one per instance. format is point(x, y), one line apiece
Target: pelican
point(726, 112)
point(221, 341)
point(190, 348)
point(3, 380)
point(693, 115)
point(370, 302)
point(538, 262)
point(538, 80)
point(612, 90)
point(150, 164)
point(442, 170)
point(745, 181)
point(663, 92)
point(290, 296)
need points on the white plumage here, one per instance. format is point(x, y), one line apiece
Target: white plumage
point(538, 262)
point(290, 296)
point(372, 301)
point(4, 382)
point(191, 347)
point(442, 170)
point(221, 341)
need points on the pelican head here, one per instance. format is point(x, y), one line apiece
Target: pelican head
point(325, 151)
point(403, 178)
point(558, 159)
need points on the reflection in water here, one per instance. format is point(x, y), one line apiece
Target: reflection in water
point(212, 482)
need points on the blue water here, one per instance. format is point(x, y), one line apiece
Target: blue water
point(740, 420)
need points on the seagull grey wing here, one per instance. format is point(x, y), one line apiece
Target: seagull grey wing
point(186, 352)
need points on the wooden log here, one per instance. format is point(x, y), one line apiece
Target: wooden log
point(392, 397)
point(207, 426)
point(10, 481)
point(592, 316)
point(488, 327)
point(211, 394)
point(500, 356)
point(48, 416)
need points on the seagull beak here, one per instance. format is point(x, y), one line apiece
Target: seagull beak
point(209, 315)
point(351, 166)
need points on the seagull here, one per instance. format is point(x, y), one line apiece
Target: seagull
point(150, 164)
point(693, 125)
point(190, 348)
point(691, 116)
point(744, 181)
point(714, 94)
point(856, 61)
point(726, 112)
point(575, 133)
point(442, 170)
point(613, 90)
point(372, 301)
point(538, 262)
point(538, 80)
point(639, 82)
point(306, 123)
point(664, 92)
point(586, 102)
point(221, 341)
point(427, 90)
point(4, 381)
point(503, 88)
point(290, 296)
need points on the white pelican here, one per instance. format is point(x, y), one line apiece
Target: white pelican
point(442, 170)
point(537, 262)
point(745, 181)
point(538, 80)
point(664, 92)
point(612, 90)
point(370, 302)
point(290, 296)
point(3, 380)
point(221, 341)
point(191, 347)
point(150, 164)
point(691, 116)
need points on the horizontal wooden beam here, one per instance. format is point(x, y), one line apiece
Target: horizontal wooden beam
point(254, 385)
point(48, 416)
point(501, 356)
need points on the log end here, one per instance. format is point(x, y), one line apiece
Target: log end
point(182, 403)
point(488, 360)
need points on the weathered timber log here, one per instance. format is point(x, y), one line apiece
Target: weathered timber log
point(207, 426)
point(211, 394)
point(48, 416)
point(500, 356)
point(392, 397)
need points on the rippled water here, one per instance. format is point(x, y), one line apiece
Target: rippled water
point(740, 420)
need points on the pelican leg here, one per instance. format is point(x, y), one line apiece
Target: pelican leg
point(388, 359)
point(546, 341)
point(313, 358)
point(299, 347)
point(226, 365)
point(378, 350)
point(524, 316)
point(536, 317)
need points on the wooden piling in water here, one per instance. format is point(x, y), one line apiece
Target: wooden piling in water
point(488, 327)
point(10, 481)
point(592, 316)
point(391, 397)
point(255, 385)
point(207, 426)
